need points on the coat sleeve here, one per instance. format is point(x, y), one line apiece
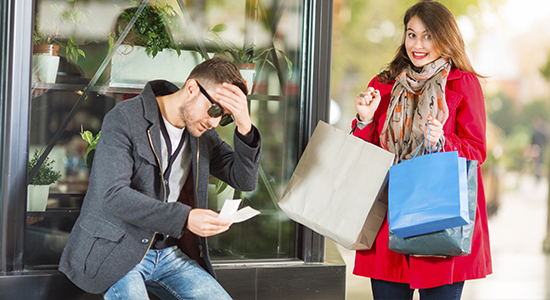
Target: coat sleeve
point(370, 132)
point(239, 167)
point(113, 168)
point(467, 133)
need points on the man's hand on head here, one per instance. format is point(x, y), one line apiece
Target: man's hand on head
point(205, 222)
point(234, 100)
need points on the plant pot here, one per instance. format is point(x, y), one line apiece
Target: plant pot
point(131, 65)
point(37, 197)
point(248, 71)
point(45, 63)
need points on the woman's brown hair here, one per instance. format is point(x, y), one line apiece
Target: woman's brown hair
point(442, 26)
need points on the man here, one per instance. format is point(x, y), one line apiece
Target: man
point(147, 197)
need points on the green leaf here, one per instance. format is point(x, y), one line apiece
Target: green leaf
point(46, 173)
point(97, 137)
point(220, 187)
point(87, 136)
point(219, 28)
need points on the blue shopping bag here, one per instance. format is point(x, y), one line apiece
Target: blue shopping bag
point(456, 241)
point(428, 193)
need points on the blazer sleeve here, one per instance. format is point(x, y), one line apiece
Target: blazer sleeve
point(467, 136)
point(239, 167)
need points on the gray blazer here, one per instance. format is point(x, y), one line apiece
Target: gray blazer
point(124, 206)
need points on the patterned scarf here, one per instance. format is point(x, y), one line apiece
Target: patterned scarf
point(403, 130)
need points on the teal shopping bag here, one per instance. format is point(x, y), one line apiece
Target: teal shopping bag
point(455, 241)
point(428, 193)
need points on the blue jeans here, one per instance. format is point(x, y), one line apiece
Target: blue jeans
point(169, 274)
point(387, 290)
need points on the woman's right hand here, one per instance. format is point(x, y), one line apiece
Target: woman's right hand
point(366, 103)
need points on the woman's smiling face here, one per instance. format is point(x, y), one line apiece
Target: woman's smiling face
point(419, 44)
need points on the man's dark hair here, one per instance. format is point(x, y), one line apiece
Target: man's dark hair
point(217, 70)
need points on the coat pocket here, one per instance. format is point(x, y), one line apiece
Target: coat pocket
point(98, 239)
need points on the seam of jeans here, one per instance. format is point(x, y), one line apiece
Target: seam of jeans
point(113, 292)
point(168, 289)
point(155, 263)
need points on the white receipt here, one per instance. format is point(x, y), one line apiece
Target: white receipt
point(230, 210)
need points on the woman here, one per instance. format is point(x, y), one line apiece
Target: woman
point(430, 79)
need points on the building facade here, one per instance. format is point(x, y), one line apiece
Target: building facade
point(103, 58)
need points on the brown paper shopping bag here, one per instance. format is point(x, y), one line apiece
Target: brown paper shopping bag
point(336, 188)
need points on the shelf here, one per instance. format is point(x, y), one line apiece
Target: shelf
point(125, 88)
point(79, 88)
point(66, 195)
point(55, 212)
point(262, 97)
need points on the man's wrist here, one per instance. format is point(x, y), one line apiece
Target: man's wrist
point(250, 139)
point(243, 131)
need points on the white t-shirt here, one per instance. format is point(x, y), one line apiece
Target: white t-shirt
point(182, 163)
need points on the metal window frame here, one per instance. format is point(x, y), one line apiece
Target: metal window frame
point(316, 70)
point(15, 68)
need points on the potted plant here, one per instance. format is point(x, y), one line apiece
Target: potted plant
point(39, 186)
point(149, 50)
point(45, 59)
point(245, 57)
point(48, 42)
point(92, 141)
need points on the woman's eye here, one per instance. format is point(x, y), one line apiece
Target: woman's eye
point(411, 35)
point(428, 36)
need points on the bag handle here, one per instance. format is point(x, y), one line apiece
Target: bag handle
point(423, 146)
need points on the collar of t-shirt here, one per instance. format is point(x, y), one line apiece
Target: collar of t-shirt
point(175, 169)
point(174, 133)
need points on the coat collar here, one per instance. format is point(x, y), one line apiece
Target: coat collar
point(454, 74)
point(151, 108)
point(151, 90)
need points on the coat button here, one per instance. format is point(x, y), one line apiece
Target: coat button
point(145, 241)
point(165, 181)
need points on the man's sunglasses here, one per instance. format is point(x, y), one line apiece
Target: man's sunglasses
point(216, 110)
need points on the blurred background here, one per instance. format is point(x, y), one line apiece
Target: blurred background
point(509, 42)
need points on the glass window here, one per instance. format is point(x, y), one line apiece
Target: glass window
point(88, 57)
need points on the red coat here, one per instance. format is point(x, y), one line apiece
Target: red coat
point(464, 132)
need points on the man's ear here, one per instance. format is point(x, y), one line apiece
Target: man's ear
point(191, 87)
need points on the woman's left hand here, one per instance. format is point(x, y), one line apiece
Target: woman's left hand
point(436, 131)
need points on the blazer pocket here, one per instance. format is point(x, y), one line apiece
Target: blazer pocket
point(99, 237)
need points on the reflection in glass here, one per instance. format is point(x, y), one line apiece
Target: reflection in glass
point(101, 62)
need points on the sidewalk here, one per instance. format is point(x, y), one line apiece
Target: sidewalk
point(520, 269)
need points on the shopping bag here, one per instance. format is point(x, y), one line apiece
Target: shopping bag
point(428, 193)
point(456, 241)
point(336, 188)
